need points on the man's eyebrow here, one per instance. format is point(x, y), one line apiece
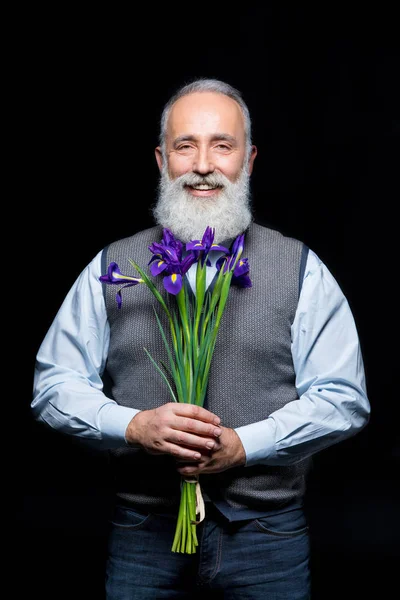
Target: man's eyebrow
point(223, 137)
point(184, 138)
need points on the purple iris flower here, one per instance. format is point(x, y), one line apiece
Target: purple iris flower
point(237, 248)
point(241, 274)
point(235, 253)
point(173, 283)
point(164, 253)
point(167, 259)
point(205, 245)
point(169, 249)
point(173, 272)
point(170, 240)
point(167, 252)
point(115, 277)
point(159, 266)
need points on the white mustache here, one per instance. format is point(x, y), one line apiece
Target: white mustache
point(192, 179)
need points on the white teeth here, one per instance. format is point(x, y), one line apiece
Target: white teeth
point(203, 187)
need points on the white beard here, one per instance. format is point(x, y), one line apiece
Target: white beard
point(187, 216)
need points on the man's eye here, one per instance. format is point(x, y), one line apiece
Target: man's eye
point(223, 147)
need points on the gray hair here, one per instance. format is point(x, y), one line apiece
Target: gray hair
point(206, 85)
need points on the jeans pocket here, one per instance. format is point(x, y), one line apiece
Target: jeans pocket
point(288, 524)
point(129, 519)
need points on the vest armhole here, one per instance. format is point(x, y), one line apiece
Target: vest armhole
point(303, 262)
point(104, 266)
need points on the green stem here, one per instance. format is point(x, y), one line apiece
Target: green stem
point(184, 517)
point(200, 294)
point(178, 529)
point(214, 299)
point(157, 296)
point(192, 514)
point(181, 300)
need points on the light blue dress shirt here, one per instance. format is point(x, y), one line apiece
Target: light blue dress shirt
point(330, 379)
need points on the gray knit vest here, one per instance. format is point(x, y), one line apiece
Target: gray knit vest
point(251, 376)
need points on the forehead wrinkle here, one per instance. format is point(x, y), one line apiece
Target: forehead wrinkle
point(204, 110)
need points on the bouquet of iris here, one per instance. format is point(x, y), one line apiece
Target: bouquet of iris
point(194, 321)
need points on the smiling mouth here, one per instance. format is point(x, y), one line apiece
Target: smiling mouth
point(203, 186)
point(202, 189)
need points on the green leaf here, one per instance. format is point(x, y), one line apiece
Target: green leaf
point(181, 363)
point(151, 286)
point(161, 373)
point(170, 356)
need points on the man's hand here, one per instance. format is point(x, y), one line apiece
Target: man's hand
point(182, 430)
point(228, 452)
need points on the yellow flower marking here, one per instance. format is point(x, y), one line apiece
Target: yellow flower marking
point(173, 277)
point(119, 276)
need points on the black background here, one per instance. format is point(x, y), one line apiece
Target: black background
point(322, 86)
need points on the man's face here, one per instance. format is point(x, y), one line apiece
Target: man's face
point(205, 169)
point(205, 134)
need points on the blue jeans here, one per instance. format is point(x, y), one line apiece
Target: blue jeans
point(266, 558)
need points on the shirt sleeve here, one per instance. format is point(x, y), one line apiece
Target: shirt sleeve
point(330, 378)
point(68, 388)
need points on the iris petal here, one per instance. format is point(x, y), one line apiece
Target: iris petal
point(194, 245)
point(114, 275)
point(118, 295)
point(219, 247)
point(242, 281)
point(173, 283)
point(242, 267)
point(158, 267)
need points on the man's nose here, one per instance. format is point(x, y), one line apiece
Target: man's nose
point(203, 163)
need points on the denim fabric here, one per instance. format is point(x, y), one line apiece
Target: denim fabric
point(265, 558)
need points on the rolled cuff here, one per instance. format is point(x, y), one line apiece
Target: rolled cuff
point(114, 421)
point(258, 441)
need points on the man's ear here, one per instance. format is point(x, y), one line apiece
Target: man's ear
point(252, 158)
point(159, 157)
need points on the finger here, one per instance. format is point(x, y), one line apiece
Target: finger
point(186, 467)
point(189, 470)
point(181, 453)
point(196, 412)
point(205, 455)
point(196, 428)
point(194, 441)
